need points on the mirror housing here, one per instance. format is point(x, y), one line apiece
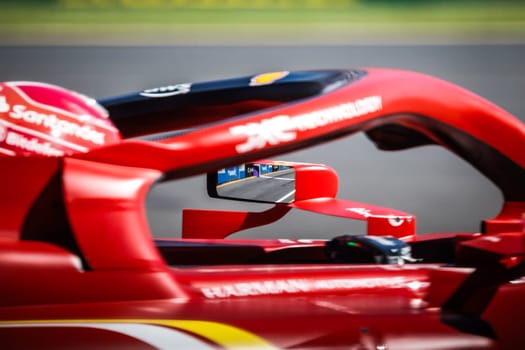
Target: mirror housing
point(315, 189)
point(275, 182)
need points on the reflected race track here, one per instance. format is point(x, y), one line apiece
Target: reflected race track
point(443, 192)
point(278, 187)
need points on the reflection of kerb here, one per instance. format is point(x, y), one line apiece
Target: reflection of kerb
point(274, 173)
point(235, 173)
point(283, 172)
point(231, 182)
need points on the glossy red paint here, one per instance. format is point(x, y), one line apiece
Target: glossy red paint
point(401, 92)
point(32, 175)
point(77, 260)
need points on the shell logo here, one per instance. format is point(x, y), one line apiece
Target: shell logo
point(268, 78)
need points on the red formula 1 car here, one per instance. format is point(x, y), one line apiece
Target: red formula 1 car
point(79, 267)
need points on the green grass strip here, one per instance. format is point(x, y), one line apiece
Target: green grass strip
point(441, 17)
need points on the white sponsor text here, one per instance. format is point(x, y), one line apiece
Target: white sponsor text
point(58, 127)
point(165, 91)
point(284, 128)
point(293, 286)
point(32, 144)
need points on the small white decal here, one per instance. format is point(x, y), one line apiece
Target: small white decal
point(4, 106)
point(3, 133)
point(166, 91)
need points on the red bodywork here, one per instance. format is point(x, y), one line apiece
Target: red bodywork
point(79, 267)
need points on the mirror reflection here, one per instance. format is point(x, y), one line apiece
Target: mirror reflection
point(261, 182)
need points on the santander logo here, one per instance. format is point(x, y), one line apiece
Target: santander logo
point(37, 118)
point(57, 126)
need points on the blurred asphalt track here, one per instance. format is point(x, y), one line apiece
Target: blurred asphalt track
point(444, 192)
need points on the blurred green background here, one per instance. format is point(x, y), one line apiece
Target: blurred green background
point(236, 21)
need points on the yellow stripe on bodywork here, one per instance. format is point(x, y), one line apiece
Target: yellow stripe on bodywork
point(227, 336)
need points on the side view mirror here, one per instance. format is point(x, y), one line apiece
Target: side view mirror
point(274, 182)
point(288, 185)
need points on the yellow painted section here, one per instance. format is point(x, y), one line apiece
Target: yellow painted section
point(222, 334)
